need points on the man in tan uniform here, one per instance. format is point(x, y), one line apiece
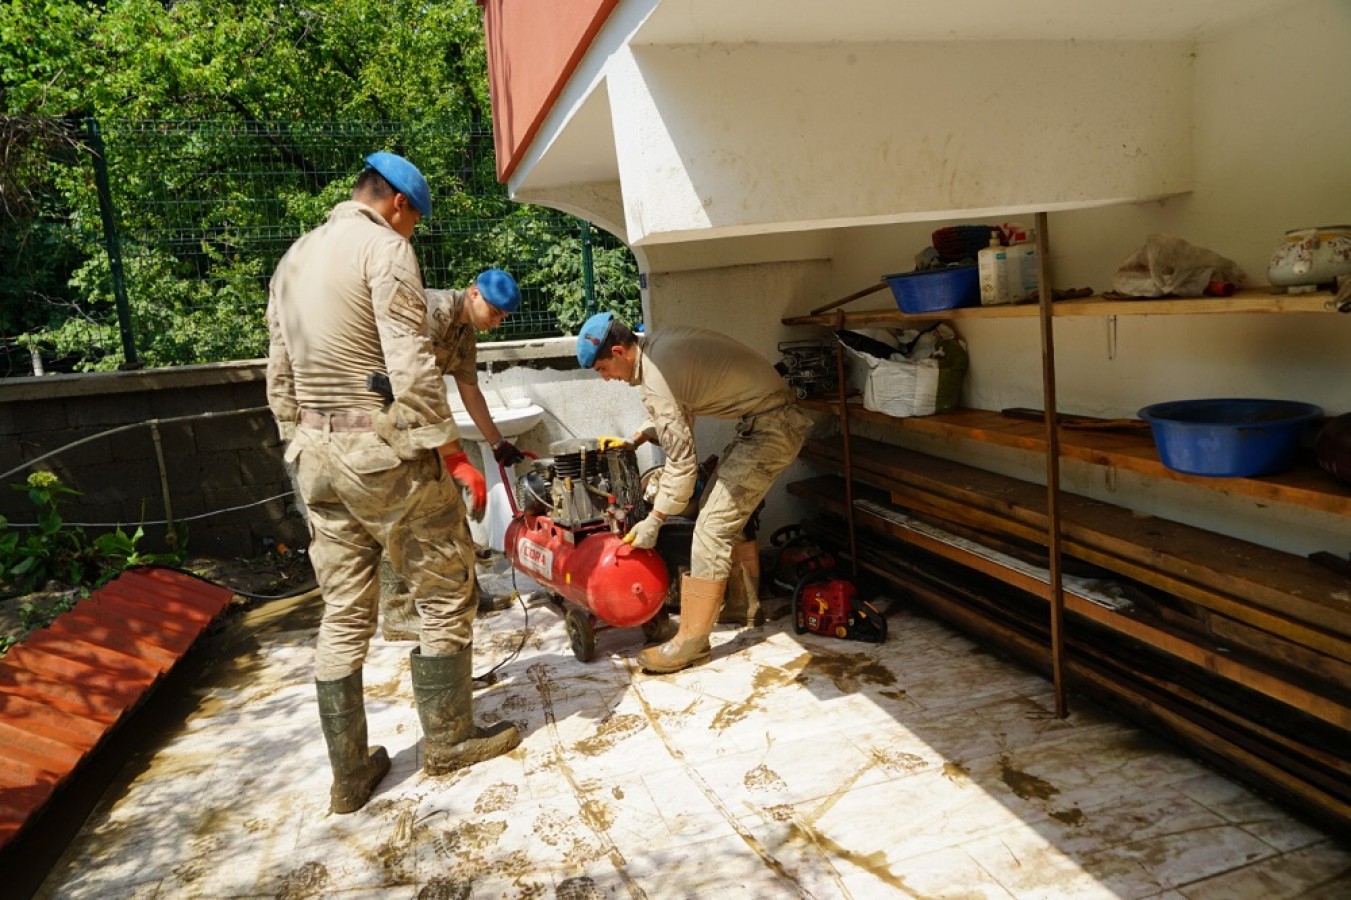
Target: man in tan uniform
point(345, 301)
point(683, 373)
point(454, 318)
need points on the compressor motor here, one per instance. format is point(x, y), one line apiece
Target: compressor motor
point(582, 487)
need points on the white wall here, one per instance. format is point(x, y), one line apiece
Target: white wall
point(1265, 111)
point(1272, 129)
point(718, 140)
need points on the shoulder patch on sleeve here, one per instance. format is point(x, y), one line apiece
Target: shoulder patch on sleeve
point(409, 306)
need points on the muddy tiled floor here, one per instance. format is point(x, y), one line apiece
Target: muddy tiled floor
point(787, 766)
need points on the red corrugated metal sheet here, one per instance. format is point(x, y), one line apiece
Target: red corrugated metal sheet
point(67, 686)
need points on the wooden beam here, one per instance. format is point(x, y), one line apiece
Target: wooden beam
point(1207, 658)
point(1278, 582)
point(1306, 485)
point(1257, 300)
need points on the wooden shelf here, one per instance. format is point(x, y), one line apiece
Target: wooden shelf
point(1260, 300)
point(1306, 485)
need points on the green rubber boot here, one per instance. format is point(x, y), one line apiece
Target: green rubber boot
point(399, 619)
point(442, 686)
point(357, 768)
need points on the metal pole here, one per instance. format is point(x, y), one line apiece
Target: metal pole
point(1055, 587)
point(588, 270)
point(112, 244)
point(840, 374)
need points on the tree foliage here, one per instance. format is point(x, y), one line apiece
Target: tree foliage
point(306, 88)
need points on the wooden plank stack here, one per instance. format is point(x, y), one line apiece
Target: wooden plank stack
point(1240, 652)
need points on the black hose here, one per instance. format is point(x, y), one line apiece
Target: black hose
point(487, 677)
point(309, 585)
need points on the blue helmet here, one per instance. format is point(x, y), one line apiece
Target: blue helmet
point(405, 178)
point(591, 337)
point(499, 289)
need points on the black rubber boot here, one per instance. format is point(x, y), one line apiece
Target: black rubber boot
point(488, 602)
point(399, 619)
point(357, 768)
point(442, 686)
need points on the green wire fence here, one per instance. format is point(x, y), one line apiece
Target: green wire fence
point(170, 230)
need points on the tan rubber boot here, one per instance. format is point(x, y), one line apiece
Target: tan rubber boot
point(743, 587)
point(700, 600)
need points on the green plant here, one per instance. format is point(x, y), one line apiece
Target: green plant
point(117, 552)
point(49, 551)
point(56, 552)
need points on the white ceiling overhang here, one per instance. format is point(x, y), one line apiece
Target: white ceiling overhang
point(713, 118)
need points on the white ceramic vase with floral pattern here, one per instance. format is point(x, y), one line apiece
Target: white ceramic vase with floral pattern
point(1312, 256)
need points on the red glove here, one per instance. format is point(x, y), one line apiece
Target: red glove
point(463, 471)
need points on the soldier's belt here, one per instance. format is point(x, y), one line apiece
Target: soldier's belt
point(342, 420)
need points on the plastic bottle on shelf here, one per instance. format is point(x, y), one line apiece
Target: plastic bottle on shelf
point(992, 265)
point(1023, 273)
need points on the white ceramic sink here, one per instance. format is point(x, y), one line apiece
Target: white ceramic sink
point(512, 421)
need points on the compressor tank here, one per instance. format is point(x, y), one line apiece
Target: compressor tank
point(623, 586)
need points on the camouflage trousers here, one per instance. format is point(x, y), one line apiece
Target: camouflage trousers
point(764, 446)
point(364, 502)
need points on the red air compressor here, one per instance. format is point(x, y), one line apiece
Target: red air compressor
point(570, 513)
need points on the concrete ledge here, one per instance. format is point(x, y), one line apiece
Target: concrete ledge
point(52, 387)
point(536, 350)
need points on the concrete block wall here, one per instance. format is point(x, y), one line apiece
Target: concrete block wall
point(220, 463)
point(194, 445)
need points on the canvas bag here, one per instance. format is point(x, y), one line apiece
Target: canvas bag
point(924, 375)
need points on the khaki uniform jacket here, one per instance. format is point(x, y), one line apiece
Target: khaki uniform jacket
point(683, 373)
point(347, 300)
point(454, 342)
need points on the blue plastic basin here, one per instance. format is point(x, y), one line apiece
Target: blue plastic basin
point(1238, 438)
point(935, 289)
